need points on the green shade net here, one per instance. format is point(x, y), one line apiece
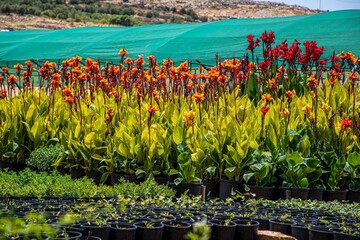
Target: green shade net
point(336, 31)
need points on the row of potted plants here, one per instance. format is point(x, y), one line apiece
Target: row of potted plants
point(289, 120)
point(111, 218)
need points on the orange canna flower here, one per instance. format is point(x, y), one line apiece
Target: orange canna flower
point(5, 69)
point(188, 119)
point(285, 113)
point(151, 109)
point(1, 78)
point(345, 124)
point(352, 76)
point(267, 97)
point(326, 108)
point(12, 79)
point(69, 100)
point(199, 97)
point(28, 63)
point(18, 67)
point(123, 52)
point(55, 82)
point(332, 80)
point(264, 110)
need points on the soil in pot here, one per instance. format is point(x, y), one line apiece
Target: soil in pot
point(149, 230)
point(283, 226)
point(226, 187)
point(246, 230)
point(222, 230)
point(122, 231)
point(175, 230)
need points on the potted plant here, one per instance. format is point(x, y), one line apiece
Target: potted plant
point(298, 174)
point(333, 176)
point(238, 159)
point(262, 174)
point(186, 180)
point(352, 167)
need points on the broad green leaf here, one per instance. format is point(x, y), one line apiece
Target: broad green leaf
point(90, 139)
point(178, 134)
point(354, 159)
point(30, 113)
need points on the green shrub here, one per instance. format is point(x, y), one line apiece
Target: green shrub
point(43, 158)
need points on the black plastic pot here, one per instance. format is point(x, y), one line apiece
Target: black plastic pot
point(226, 187)
point(212, 189)
point(353, 196)
point(292, 192)
point(263, 223)
point(300, 232)
point(221, 230)
point(193, 188)
point(246, 230)
point(77, 173)
point(323, 234)
point(330, 195)
point(94, 175)
point(263, 192)
point(144, 232)
point(316, 194)
point(97, 231)
point(281, 226)
point(175, 230)
point(338, 235)
point(122, 231)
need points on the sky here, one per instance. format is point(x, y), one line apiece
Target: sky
point(330, 5)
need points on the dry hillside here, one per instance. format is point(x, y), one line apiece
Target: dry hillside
point(164, 11)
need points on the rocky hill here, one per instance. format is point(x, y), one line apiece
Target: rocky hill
point(55, 14)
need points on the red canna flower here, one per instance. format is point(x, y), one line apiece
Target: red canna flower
point(5, 69)
point(3, 94)
point(345, 124)
point(264, 110)
point(290, 94)
point(110, 115)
